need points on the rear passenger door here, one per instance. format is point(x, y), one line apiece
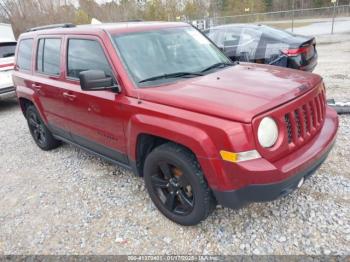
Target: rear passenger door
point(47, 82)
point(95, 118)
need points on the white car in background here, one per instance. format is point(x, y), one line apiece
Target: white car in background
point(7, 54)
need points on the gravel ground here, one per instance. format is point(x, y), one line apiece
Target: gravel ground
point(68, 202)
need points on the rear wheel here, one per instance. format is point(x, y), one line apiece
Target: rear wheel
point(40, 133)
point(176, 184)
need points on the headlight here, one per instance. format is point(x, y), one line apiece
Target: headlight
point(267, 132)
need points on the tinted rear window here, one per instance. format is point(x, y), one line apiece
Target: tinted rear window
point(48, 56)
point(276, 33)
point(24, 59)
point(7, 49)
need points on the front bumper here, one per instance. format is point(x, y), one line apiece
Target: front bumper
point(265, 192)
point(289, 170)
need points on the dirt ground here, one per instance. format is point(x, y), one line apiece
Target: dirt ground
point(68, 202)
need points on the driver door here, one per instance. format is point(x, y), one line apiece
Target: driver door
point(95, 120)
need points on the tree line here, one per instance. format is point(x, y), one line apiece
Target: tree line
point(24, 14)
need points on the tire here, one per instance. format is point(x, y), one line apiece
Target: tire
point(40, 133)
point(176, 185)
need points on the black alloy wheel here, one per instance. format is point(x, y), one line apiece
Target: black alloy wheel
point(176, 184)
point(37, 128)
point(173, 189)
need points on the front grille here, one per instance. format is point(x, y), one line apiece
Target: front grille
point(305, 114)
point(298, 123)
point(305, 120)
point(289, 128)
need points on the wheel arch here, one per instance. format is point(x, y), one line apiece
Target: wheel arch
point(24, 104)
point(145, 143)
point(146, 132)
point(26, 99)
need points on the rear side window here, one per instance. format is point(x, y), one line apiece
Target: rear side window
point(86, 55)
point(7, 49)
point(48, 56)
point(232, 37)
point(24, 58)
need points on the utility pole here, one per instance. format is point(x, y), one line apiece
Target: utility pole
point(333, 18)
point(293, 7)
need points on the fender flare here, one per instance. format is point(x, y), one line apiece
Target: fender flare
point(29, 94)
point(189, 136)
point(192, 137)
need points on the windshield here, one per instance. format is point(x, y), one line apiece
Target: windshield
point(7, 49)
point(167, 52)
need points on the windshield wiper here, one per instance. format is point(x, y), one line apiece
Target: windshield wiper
point(172, 75)
point(217, 65)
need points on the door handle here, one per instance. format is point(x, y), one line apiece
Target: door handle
point(37, 86)
point(71, 97)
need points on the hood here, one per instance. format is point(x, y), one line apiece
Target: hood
point(237, 93)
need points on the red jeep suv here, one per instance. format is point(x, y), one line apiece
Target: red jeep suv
point(162, 100)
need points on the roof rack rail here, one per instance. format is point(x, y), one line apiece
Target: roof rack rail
point(134, 20)
point(66, 25)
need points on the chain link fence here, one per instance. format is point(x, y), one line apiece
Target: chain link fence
point(282, 19)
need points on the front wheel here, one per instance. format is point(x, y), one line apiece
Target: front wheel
point(176, 185)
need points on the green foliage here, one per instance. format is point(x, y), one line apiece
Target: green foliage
point(81, 17)
point(155, 10)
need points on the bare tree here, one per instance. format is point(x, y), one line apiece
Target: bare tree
point(24, 14)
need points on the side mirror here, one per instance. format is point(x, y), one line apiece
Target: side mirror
point(96, 80)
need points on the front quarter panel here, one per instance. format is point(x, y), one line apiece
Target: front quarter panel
point(204, 135)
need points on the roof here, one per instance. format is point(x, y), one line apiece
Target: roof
point(237, 25)
point(112, 28)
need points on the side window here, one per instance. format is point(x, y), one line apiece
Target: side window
point(232, 37)
point(48, 56)
point(86, 55)
point(24, 57)
point(7, 49)
point(249, 42)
